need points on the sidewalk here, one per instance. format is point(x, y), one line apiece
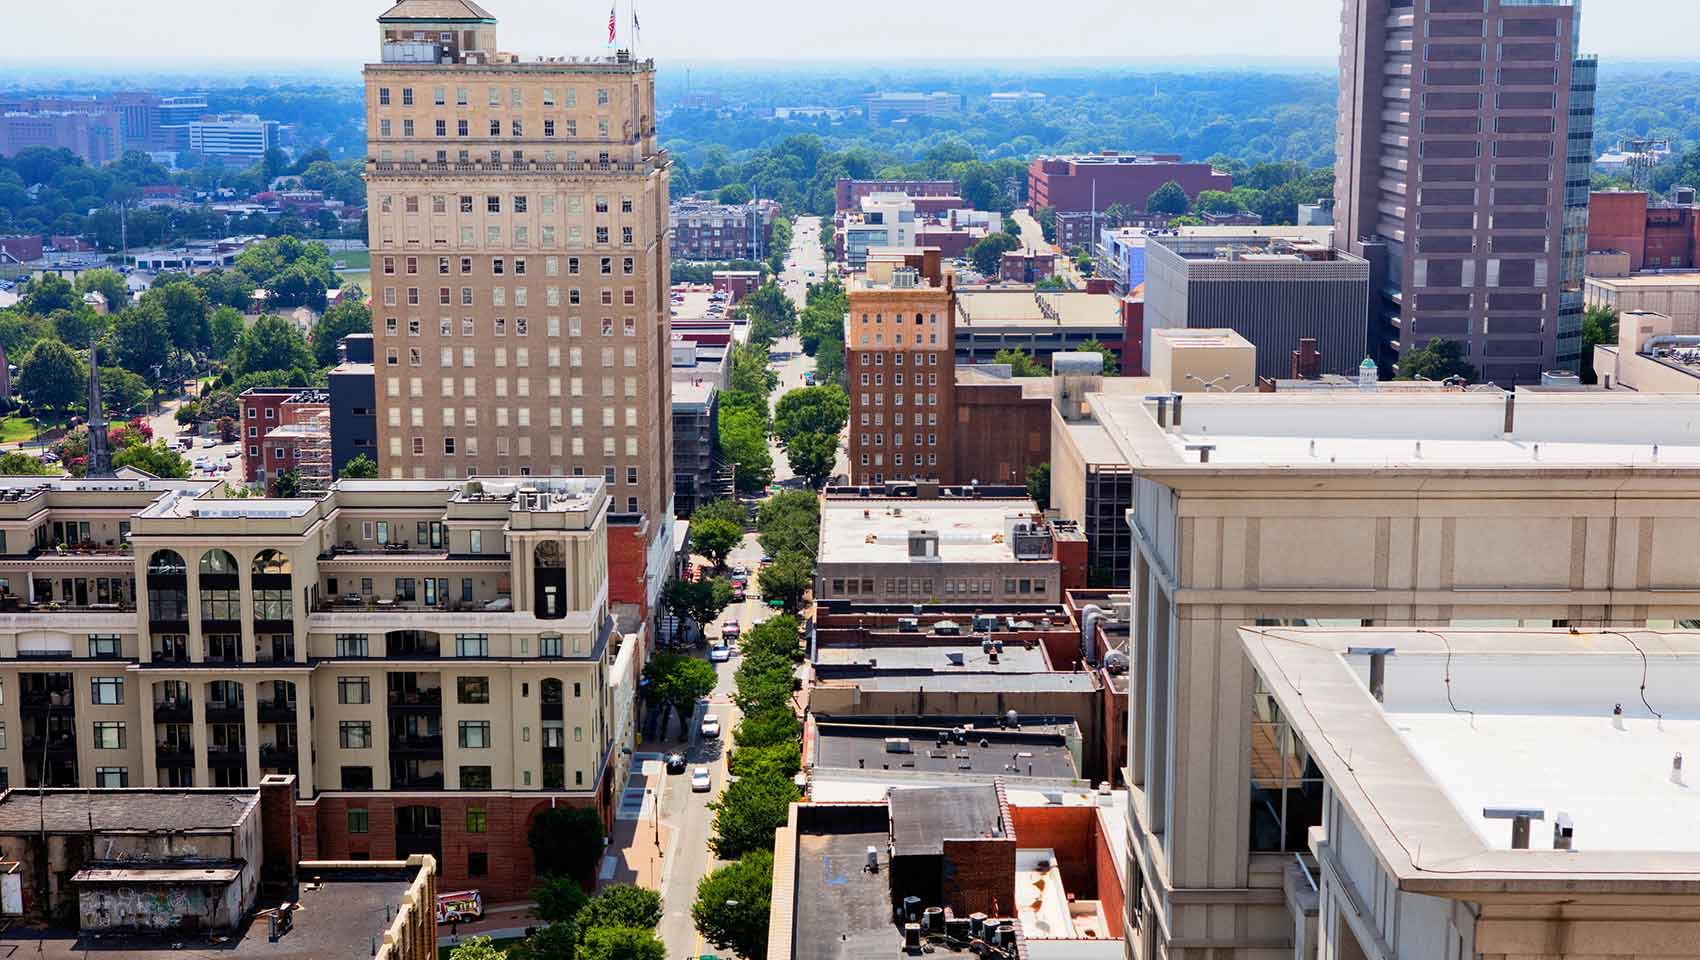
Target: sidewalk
point(637, 859)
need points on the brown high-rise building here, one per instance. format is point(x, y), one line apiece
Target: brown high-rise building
point(899, 358)
point(519, 266)
point(1465, 140)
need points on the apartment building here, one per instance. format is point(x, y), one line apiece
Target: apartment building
point(233, 138)
point(1464, 151)
point(1434, 510)
point(703, 230)
point(435, 661)
point(899, 341)
point(518, 234)
point(883, 220)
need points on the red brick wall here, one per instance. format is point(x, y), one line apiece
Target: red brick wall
point(1133, 337)
point(979, 875)
point(1070, 832)
point(1110, 892)
point(627, 564)
point(279, 838)
point(1066, 185)
point(1071, 553)
point(999, 434)
point(1618, 221)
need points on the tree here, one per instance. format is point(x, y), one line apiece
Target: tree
point(476, 948)
point(566, 841)
point(735, 193)
point(272, 343)
point(732, 905)
point(787, 579)
point(699, 601)
point(771, 313)
point(108, 283)
point(1039, 485)
point(1020, 363)
point(813, 457)
point(743, 437)
point(49, 292)
point(678, 682)
point(987, 255)
point(287, 484)
point(781, 760)
point(1047, 219)
point(52, 376)
point(731, 511)
point(555, 941)
point(622, 905)
point(1437, 360)
point(1168, 198)
point(186, 313)
point(361, 467)
point(823, 409)
point(349, 316)
point(829, 361)
point(715, 538)
point(20, 464)
point(779, 636)
point(1094, 345)
point(559, 898)
point(1215, 201)
point(80, 327)
point(122, 391)
point(789, 522)
point(621, 943)
point(746, 815)
point(154, 458)
point(768, 728)
point(224, 329)
point(140, 340)
point(751, 372)
point(1599, 326)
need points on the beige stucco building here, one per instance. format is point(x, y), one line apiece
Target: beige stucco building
point(1395, 509)
point(1675, 294)
point(518, 228)
point(425, 645)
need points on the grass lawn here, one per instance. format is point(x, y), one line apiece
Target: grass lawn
point(351, 260)
point(360, 278)
point(15, 428)
point(500, 944)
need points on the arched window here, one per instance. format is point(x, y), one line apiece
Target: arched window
point(271, 561)
point(167, 563)
point(218, 562)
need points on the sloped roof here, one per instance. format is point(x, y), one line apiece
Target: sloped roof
point(436, 10)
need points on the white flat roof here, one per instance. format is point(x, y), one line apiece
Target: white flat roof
point(1473, 719)
point(1349, 429)
point(877, 531)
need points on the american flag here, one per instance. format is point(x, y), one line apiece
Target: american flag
point(610, 24)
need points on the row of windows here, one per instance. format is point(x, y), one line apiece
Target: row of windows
point(897, 441)
point(897, 340)
point(499, 266)
point(473, 735)
point(930, 420)
point(878, 399)
point(413, 296)
point(921, 360)
point(499, 357)
point(468, 690)
point(467, 203)
point(521, 328)
point(575, 387)
point(465, 156)
point(567, 127)
point(932, 379)
point(469, 417)
point(468, 447)
point(516, 96)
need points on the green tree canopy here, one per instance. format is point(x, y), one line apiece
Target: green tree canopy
point(1039, 485)
point(272, 343)
point(108, 283)
point(361, 467)
point(788, 578)
point(52, 376)
point(678, 682)
point(49, 292)
point(186, 313)
point(729, 510)
point(19, 464)
point(155, 458)
point(566, 841)
point(781, 760)
point(987, 255)
point(746, 815)
point(1020, 363)
point(732, 905)
point(296, 272)
point(734, 194)
point(622, 905)
point(771, 313)
point(1168, 198)
point(140, 340)
point(559, 898)
point(224, 328)
point(823, 409)
point(751, 373)
point(80, 327)
point(714, 538)
point(1599, 326)
point(829, 361)
point(620, 943)
point(349, 316)
point(1436, 360)
point(813, 457)
point(770, 728)
point(789, 522)
point(1111, 367)
point(1215, 201)
point(476, 948)
point(743, 437)
point(699, 601)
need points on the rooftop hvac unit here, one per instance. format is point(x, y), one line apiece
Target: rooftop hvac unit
point(947, 628)
point(956, 660)
point(898, 745)
point(908, 625)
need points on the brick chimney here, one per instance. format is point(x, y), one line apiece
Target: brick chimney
point(280, 839)
point(1307, 362)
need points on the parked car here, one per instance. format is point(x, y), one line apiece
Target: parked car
point(675, 763)
point(719, 653)
point(710, 727)
point(700, 780)
point(210, 442)
point(738, 592)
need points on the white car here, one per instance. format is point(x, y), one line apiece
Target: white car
point(210, 442)
point(710, 727)
point(719, 653)
point(701, 782)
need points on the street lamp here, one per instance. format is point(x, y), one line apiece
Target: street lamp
point(1210, 385)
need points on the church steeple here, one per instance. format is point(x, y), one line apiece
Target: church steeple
point(99, 458)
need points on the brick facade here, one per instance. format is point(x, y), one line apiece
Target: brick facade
point(1000, 433)
point(627, 564)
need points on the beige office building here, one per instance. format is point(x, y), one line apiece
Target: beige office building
point(1351, 508)
point(435, 661)
point(518, 228)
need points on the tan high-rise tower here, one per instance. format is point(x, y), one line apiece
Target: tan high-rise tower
point(518, 223)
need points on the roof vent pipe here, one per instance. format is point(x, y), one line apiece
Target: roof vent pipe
point(1162, 401)
point(1510, 412)
point(1377, 668)
point(1676, 770)
point(1177, 399)
point(1563, 832)
point(1519, 817)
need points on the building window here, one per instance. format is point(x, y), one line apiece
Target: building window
point(1286, 785)
point(475, 778)
point(477, 864)
point(104, 645)
point(109, 735)
point(351, 645)
point(108, 690)
point(477, 820)
point(109, 777)
point(355, 734)
point(353, 690)
point(549, 645)
point(358, 819)
point(474, 735)
point(473, 689)
point(472, 645)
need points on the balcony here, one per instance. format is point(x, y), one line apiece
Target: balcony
point(63, 745)
point(178, 754)
point(416, 744)
point(224, 711)
point(225, 756)
point(278, 758)
point(424, 781)
point(167, 710)
point(277, 711)
point(45, 701)
point(428, 699)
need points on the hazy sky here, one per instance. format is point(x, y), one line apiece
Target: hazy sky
point(895, 30)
